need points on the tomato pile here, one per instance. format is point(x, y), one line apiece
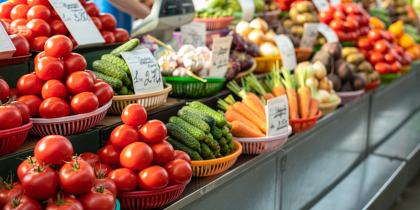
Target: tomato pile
point(140, 157)
point(36, 20)
point(60, 85)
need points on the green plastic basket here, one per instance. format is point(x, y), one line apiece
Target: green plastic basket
point(388, 78)
point(188, 87)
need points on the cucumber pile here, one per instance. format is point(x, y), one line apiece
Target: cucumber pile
point(201, 132)
point(113, 69)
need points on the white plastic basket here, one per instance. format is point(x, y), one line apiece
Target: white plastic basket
point(69, 125)
point(349, 96)
point(253, 146)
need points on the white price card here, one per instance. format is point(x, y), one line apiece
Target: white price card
point(335, 2)
point(194, 34)
point(200, 4)
point(327, 32)
point(145, 71)
point(277, 110)
point(220, 56)
point(248, 9)
point(6, 45)
point(79, 23)
point(310, 33)
point(321, 5)
point(287, 51)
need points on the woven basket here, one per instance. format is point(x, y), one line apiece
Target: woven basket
point(327, 108)
point(253, 146)
point(11, 139)
point(215, 23)
point(300, 125)
point(188, 87)
point(349, 96)
point(248, 71)
point(266, 64)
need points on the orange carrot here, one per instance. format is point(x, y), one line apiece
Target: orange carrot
point(268, 96)
point(232, 115)
point(245, 111)
point(253, 102)
point(240, 129)
point(279, 90)
point(291, 95)
point(304, 94)
point(313, 107)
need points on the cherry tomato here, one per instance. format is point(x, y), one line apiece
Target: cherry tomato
point(54, 107)
point(24, 111)
point(179, 171)
point(39, 12)
point(396, 67)
point(178, 154)
point(339, 15)
point(19, 11)
point(90, 158)
point(337, 25)
point(108, 36)
point(58, 46)
point(84, 102)
point(21, 45)
point(66, 203)
point(387, 36)
point(4, 89)
point(48, 68)
point(382, 46)
point(109, 155)
point(364, 43)
point(32, 3)
point(162, 153)
point(134, 115)
point(374, 35)
point(153, 132)
point(121, 35)
point(389, 57)
point(76, 177)
point(91, 9)
point(125, 179)
point(124, 135)
point(91, 74)
point(351, 9)
point(54, 88)
point(33, 102)
point(39, 27)
point(53, 149)
point(74, 62)
point(103, 91)
point(98, 199)
point(136, 156)
point(10, 191)
point(18, 22)
point(102, 169)
point(37, 43)
point(5, 9)
point(351, 25)
point(108, 21)
point(376, 57)
point(10, 117)
point(382, 68)
point(106, 183)
point(79, 81)
point(325, 17)
point(153, 178)
point(25, 166)
point(58, 27)
point(23, 202)
point(40, 182)
point(97, 22)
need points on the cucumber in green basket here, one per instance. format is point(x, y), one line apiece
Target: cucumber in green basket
point(128, 46)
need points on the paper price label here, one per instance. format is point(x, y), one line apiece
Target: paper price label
point(6, 45)
point(327, 32)
point(248, 9)
point(277, 110)
point(78, 22)
point(200, 4)
point(335, 2)
point(194, 34)
point(145, 71)
point(309, 36)
point(220, 56)
point(321, 5)
point(287, 51)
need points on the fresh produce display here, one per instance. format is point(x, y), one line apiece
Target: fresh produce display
point(21, 44)
point(400, 10)
point(404, 36)
point(358, 62)
point(218, 9)
point(285, 5)
point(13, 114)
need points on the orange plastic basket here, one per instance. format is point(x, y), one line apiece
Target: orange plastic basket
point(215, 23)
point(300, 125)
point(201, 168)
point(303, 54)
point(266, 64)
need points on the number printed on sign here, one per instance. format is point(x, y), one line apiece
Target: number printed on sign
point(277, 116)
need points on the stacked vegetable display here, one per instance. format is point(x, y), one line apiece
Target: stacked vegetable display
point(360, 64)
point(21, 44)
point(404, 36)
point(301, 12)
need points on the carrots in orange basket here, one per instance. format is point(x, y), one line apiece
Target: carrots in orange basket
point(240, 129)
point(268, 96)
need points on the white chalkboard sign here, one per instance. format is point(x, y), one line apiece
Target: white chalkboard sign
point(277, 110)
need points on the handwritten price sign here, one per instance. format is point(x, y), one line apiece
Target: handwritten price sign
point(248, 9)
point(327, 32)
point(194, 34)
point(277, 116)
point(321, 5)
point(145, 71)
point(310, 33)
point(287, 51)
point(220, 56)
point(6, 45)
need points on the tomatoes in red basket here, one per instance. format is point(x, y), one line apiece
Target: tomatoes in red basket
point(24, 111)
point(153, 132)
point(162, 153)
point(79, 81)
point(179, 171)
point(48, 68)
point(396, 67)
point(19, 11)
point(91, 8)
point(38, 2)
point(108, 36)
point(41, 182)
point(38, 43)
point(5, 9)
point(58, 46)
point(136, 156)
point(53, 149)
point(382, 68)
point(22, 31)
point(74, 62)
point(54, 88)
point(38, 57)
point(4, 89)
point(108, 21)
point(109, 155)
point(374, 35)
point(33, 102)
point(134, 115)
point(106, 183)
point(66, 203)
point(21, 45)
point(90, 158)
point(54, 107)
point(125, 179)
point(39, 27)
point(10, 117)
point(84, 103)
point(103, 91)
point(58, 27)
point(22, 202)
point(124, 135)
point(40, 12)
point(121, 35)
point(25, 166)
point(153, 178)
point(76, 177)
point(98, 199)
point(97, 22)
point(179, 154)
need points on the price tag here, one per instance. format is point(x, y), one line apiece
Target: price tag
point(310, 33)
point(194, 33)
point(220, 56)
point(80, 26)
point(6, 45)
point(327, 32)
point(145, 71)
point(248, 9)
point(321, 5)
point(277, 110)
point(200, 4)
point(335, 2)
point(287, 51)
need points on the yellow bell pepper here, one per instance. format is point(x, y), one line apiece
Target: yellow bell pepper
point(406, 41)
point(376, 23)
point(397, 28)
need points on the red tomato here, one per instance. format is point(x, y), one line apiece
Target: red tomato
point(406, 59)
point(351, 9)
point(19, 11)
point(153, 132)
point(54, 107)
point(108, 36)
point(39, 27)
point(387, 36)
point(13, 94)
point(72, 40)
point(58, 46)
point(376, 57)
point(49, 68)
point(53, 149)
point(5, 9)
point(97, 22)
point(91, 75)
point(24, 111)
point(382, 68)
point(54, 88)
point(121, 35)
point(351, 24)
point(182, 155)
point(74, 62)
point(84, 102)
point(103, 91)
point(90, 158)
point(337, 25)
point(364, 43)
point(325, 17)
point(40, 182)
point(37, 43)
point(382, 46)
point(21, 45)
point(79, 81)
point(4, 89)
point(10, 117)
point(15, 2)
point(22, 203)
point(58, 27)
point(374, 35)
point(10, 191)
point(124, 135)
point(109, 155)
point(339, 15)
point(76, 177)
point(91, 8)
point(162, 153)
point(153, 178)
point(389, 57)
point(38, 57)
point(179, 171)
point(396, 67)
point(134, 115)
point(39, 12)
point(18, 22)
point(23, 31)
point(98, 199)
point(108, 21)
point(124, 179)
point(102, 169)
point(66, 203)
point(33, 102)
point(136, 156)
point(32, 3)
point(106, 183)
point(25, 166)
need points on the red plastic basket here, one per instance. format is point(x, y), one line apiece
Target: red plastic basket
point(253, 146)
point(150, 199)
point(12, 139)
point(14, 60)
point(215, 23)
point(373, 85)
point(69, 125)
point(300, 125)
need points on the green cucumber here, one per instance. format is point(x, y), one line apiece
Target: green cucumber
point(183, 136)
point(218, 117)
point(117, 61)
point(123, 91)
point(191, 129)
point(194, 155)
point(206, 152)
point(115, 83)
point(194, 119)
point(128, 46)
point(216, 132)
point(108, 68)
point(207, 118)
point(213, 144)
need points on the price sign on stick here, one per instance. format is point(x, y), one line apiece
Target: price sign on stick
point(327, 32)
point(310, 32)
point(248, 9)
point(145, 71)
point(6, 45)
point(194, 34)
point(220, 56)
point(277, 114)
point(287, 51)
point(321, 5)
point(80, 26)
point(335, 2)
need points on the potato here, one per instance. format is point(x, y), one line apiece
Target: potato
point(364, 67)
point(355, 58)
point(293, 13)
point(301, 19)
point(297, 30)
point(349, 50)
point(303, 6)
point(324, 84)
point(344, 72)
point(333, 48)
point(373, 76)
point(323, 57)
point(288, 23)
